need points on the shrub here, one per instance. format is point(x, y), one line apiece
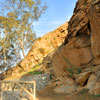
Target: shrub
point(85, 3)
point(34, 70)
point(47, 38)
point(39, 38)
point(95, 96)
point(71, 76)
point(73, 69)
point(35, 73)
point(54, 39)
point(20, 71)
point(69, 70)
point(42, 51)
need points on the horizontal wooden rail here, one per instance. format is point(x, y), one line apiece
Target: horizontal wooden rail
point(18, 83)
point(14, 81)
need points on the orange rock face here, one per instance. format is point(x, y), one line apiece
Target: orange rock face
point(94, 17)
point(78, 53)
point(82, 44)
point(41, 47)
point(81, 49)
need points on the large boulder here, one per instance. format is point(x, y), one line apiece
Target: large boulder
point(95, 90)
point(69, 86)
point(81, 49)
point(91, 81)
point(82, 78)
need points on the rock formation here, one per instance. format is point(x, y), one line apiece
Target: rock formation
point(79, 57)
point(75, 63)
point(41, 47)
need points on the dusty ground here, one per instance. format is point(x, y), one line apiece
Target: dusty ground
point(48, 94)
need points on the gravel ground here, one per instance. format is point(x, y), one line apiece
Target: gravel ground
point(42, 80)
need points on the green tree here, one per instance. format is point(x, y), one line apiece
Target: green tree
point(16, 24)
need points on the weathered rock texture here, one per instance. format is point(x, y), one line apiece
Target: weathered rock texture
point(79, 56)
point(81, 50)
point(41, 47)
point(45, 45)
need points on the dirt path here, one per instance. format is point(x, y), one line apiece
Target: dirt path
point(48, 94)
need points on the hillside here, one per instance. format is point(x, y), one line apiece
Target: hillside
point(77, 63)
point(72, 60)
point(40, 49)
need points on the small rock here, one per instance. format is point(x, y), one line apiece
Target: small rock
point(95, 90)
point(97, 60)
point(69, 87)
point(65, 89)
point(82, 78)
point(96, 69)
point(91, 81)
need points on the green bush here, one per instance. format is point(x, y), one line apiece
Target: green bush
point(34, 70)
point(47, 38)
point(85, 3)
point(54, 39)
point(70, 75)
point(36, 67)
point(95, 96)
point(69, 70)
point(39, 38)
point(73, 69)
point(35, 73)
point(20, 71)
point(42, 51)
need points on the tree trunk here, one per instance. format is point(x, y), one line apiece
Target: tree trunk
point(23, 52)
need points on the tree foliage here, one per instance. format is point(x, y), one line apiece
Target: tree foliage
point(16, 25)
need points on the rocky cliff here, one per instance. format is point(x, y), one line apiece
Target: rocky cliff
point(74, 64)
point(77, 62)
point(41, 47)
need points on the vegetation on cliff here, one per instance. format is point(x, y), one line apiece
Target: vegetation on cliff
point(16, 28)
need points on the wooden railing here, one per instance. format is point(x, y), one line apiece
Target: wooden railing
point(12, 84)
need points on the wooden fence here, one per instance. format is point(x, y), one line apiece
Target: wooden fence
point(12, 84)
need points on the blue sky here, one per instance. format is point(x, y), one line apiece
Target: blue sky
point(58, 12)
